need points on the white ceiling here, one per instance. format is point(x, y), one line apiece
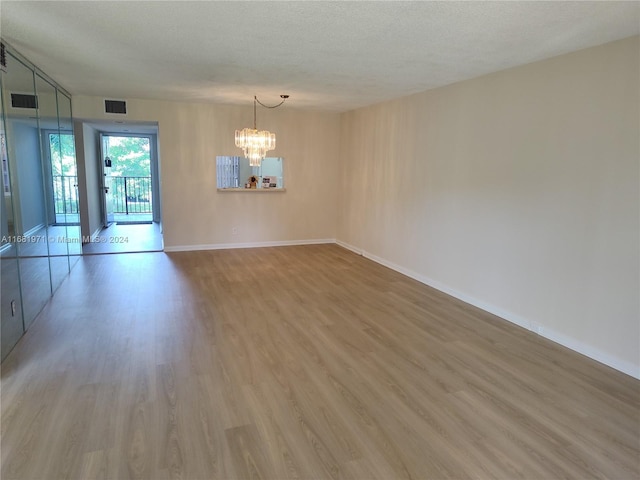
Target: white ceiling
point(326, 55)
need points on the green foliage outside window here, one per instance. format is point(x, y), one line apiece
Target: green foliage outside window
point(130, 156)
point(63, 154)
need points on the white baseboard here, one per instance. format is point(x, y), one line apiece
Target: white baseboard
point(587, 350)
point(591, 352)
point(349, 247)
point(95, 234)
point(34, 230)
point(573, 344)
point(225, 246)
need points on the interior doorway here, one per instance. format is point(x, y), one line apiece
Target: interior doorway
point(121, 167)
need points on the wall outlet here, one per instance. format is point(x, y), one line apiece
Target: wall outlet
point(234, 231)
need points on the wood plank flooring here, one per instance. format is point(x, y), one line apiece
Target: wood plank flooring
point(126, 238)
point(304, 362)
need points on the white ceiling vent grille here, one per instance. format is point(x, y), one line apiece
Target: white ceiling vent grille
point(118, 107)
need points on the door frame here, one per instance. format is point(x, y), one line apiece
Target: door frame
point(106, 221)
point(154, 170)
point(49, 184)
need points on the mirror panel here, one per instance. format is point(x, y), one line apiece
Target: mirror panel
point(30, 209)
point(39, 215)
point(52, 169)
point(234, 172)
point(10, 300)
point(70, 178)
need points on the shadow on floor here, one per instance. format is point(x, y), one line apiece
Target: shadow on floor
point(123, 238)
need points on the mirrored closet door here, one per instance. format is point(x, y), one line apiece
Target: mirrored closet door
point(40, 219)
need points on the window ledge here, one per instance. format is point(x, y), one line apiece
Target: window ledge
point(253, 190)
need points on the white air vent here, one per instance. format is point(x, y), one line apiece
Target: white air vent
point(118, 107)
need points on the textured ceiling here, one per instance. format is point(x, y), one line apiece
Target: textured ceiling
point(326, 55)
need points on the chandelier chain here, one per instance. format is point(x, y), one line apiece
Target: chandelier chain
point(255, 144)
point(284, 98)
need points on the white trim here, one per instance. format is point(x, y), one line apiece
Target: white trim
point(591, 352)
point(542, 330)
point(573, 344)
point(350, 247)
point(95, 234)
point(225, 246)
point(511, 317)
point(32, 231)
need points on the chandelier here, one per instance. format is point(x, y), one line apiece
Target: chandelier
point(255, 144)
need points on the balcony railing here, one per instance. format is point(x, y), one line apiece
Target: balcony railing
point(130, 194)
point(65, 194)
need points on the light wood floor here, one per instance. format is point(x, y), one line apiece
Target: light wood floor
point(297, 362)
point(126, 238)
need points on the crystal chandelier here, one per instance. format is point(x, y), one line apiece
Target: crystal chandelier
point(255, 144)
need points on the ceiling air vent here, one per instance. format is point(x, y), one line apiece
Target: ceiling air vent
point(20, 100)
point(115, 106)
point(3, 58)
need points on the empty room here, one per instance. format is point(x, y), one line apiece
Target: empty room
point(320, 240)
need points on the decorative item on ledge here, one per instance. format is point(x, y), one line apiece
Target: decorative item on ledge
point(252, 182)
point(254, 143)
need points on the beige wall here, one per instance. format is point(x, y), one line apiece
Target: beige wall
point(517, 191)
point(195, 215)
